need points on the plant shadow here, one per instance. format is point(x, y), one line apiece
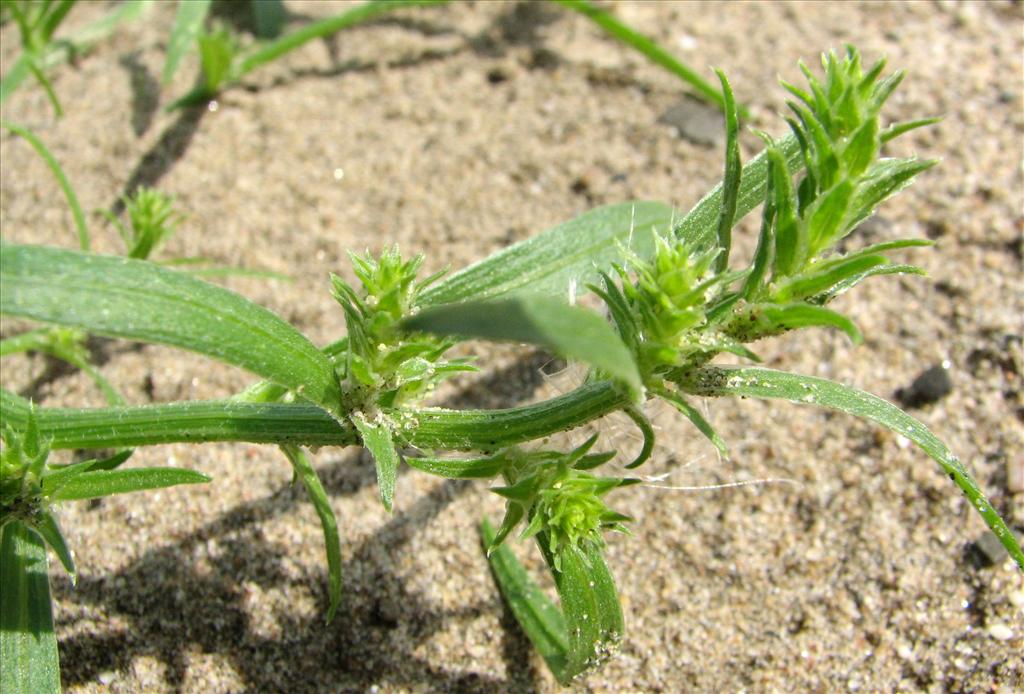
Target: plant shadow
point(189, 598)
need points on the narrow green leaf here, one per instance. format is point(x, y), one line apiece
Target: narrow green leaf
point(57, 52)
point(52, 18)
point(817, 282)
point(647, 47)
point(765, 247)
point(789, 316)
point(699, 224)
point(862, 148)
point(874, 249)
point(646, 429)
point(566, 256)
point(790, 246)
point(28, 645)
point(897, 129)
point(731, 179)
point(188, 22)
point(328, 521)
point(539, 617)
point(697, 419)
point(139, 300)
point(825, 216)
point(62, 180)
point(884, 179)
point(851, 282)
point(767, 383)
point(571, 331)
point(217, 55)
point(377, 439)
point(590, 606)
point(46, 526)
point(265, 53)
point(98, 483)
point(460, 468)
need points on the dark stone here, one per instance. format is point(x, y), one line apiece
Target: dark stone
point(930, 386)
point(497, 75)
point(988, 551)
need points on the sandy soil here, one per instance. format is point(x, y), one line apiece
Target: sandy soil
point(456, 131)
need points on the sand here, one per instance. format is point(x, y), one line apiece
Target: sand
point(454, 131)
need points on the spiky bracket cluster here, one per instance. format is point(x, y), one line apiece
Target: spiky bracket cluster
point(30, 485)
point(556, 497)
point(684, 306)
point(384, 366)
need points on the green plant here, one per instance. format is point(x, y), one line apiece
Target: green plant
point(38, 21)
point(675, 303)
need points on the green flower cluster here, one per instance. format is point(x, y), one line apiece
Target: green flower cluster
point(559, 500)
point(385, 366)
point(22, 464)
point(838, 126)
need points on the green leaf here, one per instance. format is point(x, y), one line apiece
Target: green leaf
point(590, 606)
point(789, 316)
point(567, 330)
point(328, 521)
point(587, 628)
point(142, 301)
point(862, 148)
point(57, 52)
point(567, 255)
point(539, 617)
point(897, 129)
point(883, 180)
point(817, 282)
point(267, 52)
point(790, 244)
point(766, 383)
point(460, 468)
point(28, 645)
point(377, 439)
point(97, 483)
point(731, 180)
point(217, 54)
point(188, 23)
point(851, 282)
point(62, 180)
point(826, 215)
point(46, 526)
point(697, 419)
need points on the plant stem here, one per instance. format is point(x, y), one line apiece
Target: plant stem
point(308, 425)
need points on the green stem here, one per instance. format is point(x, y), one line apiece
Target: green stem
point(58, 172)
point(307, 425)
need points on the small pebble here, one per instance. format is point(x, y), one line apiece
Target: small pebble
point(107, 677)
point(1015, 476)
point(1000, 632)
point(696, 121)
point(1017, 598)
point(931, 385)
point(988, 550)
